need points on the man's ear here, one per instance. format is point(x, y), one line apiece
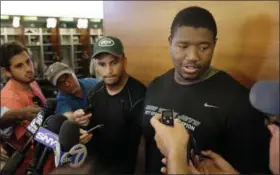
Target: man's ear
point(170, 40)
point(124, 60)
point(215, 42)
point(6, 72)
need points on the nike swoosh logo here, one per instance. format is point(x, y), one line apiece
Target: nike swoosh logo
point(210, 106)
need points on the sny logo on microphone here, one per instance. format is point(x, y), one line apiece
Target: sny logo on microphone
point(46, 137)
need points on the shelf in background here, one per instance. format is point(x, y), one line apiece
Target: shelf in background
point(30, 34)
point(33, 45)
point(47, 44)
point(48, 53)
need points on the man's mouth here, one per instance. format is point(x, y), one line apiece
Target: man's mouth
point(29, 75)
point(111, 77)
point(191, 68)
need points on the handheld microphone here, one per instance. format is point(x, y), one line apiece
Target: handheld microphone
point(47, 111)
point(47, 138)
point(16, 159)
point(69, 135)
point(18, 156)
point(68, 152)
point(36, 100)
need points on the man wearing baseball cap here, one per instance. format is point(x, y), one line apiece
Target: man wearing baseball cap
point(117, 103)
point(73, 92)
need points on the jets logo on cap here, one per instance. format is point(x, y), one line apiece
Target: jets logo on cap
point(106, 42)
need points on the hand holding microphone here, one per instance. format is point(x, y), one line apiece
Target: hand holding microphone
point(3, 154)
point(29, 112)
point(46, 138)
point(18, 156)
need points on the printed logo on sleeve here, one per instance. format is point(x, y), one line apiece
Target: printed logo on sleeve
point(187, 121)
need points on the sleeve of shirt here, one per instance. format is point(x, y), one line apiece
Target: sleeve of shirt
point(7, 132)
point(62, 106)
point(247, 141)
point(89, 83)
point(3, 111)
point(92, 82)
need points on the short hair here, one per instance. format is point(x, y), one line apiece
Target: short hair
point(194, 17)
point(9, 50)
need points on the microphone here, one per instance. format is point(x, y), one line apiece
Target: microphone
point(18, 156)
point(68, 151)
point(46, 137)
point(47, 110)
point(16, 159)
point(36, 100)
point(69, 135)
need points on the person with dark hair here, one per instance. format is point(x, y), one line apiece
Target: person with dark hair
point(172, 141)
point(17, 106)
point(117, 103)
point(16, 64)
point(212, 105)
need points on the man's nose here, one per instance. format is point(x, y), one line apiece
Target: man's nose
point(67, 83)
point(109, 70)
point(28, 67)
point(192, 54)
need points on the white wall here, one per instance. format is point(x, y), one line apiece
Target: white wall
point(79, 9)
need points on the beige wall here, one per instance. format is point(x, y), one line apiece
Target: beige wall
point(248, 36)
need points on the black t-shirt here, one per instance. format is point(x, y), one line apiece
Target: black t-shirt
point(218, 113)
point(114, 147)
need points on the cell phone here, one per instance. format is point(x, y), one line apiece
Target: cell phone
point(167, 117)
point(88, 109)
point(94, 128)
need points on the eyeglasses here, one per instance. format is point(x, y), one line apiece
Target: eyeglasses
point(272, 121)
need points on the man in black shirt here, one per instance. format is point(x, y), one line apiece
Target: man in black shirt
point(117, 103)
point(210, 103)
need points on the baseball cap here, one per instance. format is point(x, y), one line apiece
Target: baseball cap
point(264, 96)
point(108, 44)
point(55, 70)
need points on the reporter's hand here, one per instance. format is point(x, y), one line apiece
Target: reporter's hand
point(85, 136)
point(171, 141)
point(29, 112)
point(3, 154)
point(214, 164)
point(81, 118)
